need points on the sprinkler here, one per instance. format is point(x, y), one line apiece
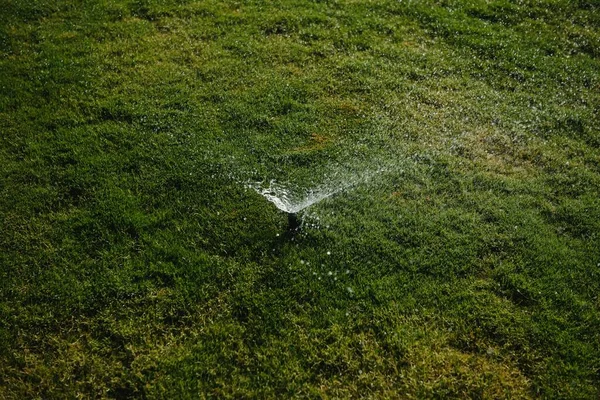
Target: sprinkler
point(293, 222)
point(293, 204)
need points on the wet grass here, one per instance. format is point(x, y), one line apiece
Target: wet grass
point(135, 263)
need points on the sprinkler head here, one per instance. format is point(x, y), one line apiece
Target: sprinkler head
point(293, 222)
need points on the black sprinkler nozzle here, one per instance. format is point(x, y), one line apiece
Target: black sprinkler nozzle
point(293, 222)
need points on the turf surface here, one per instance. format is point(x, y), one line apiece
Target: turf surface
point(134, 261)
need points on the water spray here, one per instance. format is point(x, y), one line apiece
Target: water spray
point(292, 202)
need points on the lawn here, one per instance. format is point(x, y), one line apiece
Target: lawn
point(459, 256)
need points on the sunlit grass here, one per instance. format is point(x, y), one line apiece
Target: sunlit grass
point(462, 261)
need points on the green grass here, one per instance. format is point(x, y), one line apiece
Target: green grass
point(134, 263)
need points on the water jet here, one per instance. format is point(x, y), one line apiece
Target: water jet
point(293, 200)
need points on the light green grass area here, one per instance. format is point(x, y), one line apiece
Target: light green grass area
point(135, 262)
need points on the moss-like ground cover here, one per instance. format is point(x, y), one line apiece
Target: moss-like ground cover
point(135, 263)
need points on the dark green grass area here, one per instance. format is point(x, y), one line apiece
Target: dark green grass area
point(135, 263)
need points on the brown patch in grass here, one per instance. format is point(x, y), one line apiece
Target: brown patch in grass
point(315, 142)
point(496, 150)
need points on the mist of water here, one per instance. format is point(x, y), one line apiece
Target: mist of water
point(293, 200)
